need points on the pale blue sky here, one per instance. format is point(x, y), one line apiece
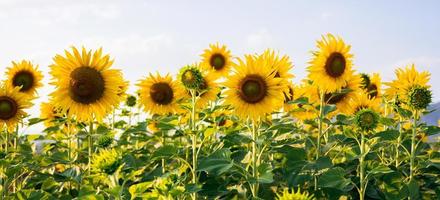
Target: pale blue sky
point(145, 36)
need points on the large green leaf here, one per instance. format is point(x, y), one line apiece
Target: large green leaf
point(217, 163)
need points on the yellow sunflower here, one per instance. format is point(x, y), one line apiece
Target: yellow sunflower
point(303, 112)
point(362, 101)
point(207, 92)
point(85, 84)
point(253, 91)
point(331, 65)
point(342, 97)
point(49, 112)
point(160, 94)
point(25, 75)
point(217, 59)
point(281, 66)
point(406, 78)
point(12, 105)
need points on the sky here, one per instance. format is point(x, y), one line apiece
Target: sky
point(148, 36)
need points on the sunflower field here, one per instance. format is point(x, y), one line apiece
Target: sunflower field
point(225, 127)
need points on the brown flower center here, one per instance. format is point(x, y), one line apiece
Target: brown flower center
point(372, 91)
point(218, 61)
point(253, 89)
point(86, 85)
point(161, 93)
point(335, 65)
point(25, 79)
point(8, 108)
point(334, 98)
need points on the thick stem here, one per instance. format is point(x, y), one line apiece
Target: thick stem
point(254, 187)
point(163, 160)
point(399, 140)
point(413, 146)
point(90, 144)
point(362, 168)
point(318, 142)
point(194, 140)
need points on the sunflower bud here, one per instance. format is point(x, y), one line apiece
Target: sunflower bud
point(105, 141)
point(419, 97)
point(366, 119)
point(191, 77)
point(130, 101)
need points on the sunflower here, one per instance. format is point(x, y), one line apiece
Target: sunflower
point(207, 91)
point(25, 75)
point(85, 84)
point(361, 101)
point(217, 59)
point(253, 90)
point(12, 105)
point(281, 66)
point(342, 97)
point(300, 111)
point(287, 194)
point(331, 65)
point(49, 112)
point(160, 94)
point(406, 79)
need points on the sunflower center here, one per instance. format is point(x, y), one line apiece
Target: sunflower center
point(366, 118)
point(335, 65)
point(8, 108)
point(218, 61)
point(86, 85)
point(372, 90)
point(253, 89)
point(161, 93)
point(24, 79)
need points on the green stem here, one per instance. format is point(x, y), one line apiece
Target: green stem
point(254, 187)
point(318, 142)
point(362, 168)
point(194, 140)
point(413, 146)
point(398, 142)
point(163, 160)
point(90, 150)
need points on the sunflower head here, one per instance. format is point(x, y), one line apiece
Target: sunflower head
point(130, 101)
point(419, 97)
point(343, 96)
point(12, 105)
point(86, 85)
point(107, 161)
point(217, 59)
point(287, 194)
point(160, 94)
point(331, 64)
point(191, 77)
point(49, 112)
point(366, 119)
point(105, 141)
point(406, 79)
point(24, 75)
point(253, 90)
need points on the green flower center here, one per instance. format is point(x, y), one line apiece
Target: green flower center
point(253, 89)
point(366, 119)
point(335, 65)
point(420, 97)
point(24, 79)
point(218, 61)
point(191, 78)
point(161, 93)
point(86, 85)
point(8, 108)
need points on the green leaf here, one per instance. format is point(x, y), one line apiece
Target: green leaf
point(166, 151)
point(301, 100)
point(217, 163)
point(265, 174)
point(33, 121)
point(432, 130)
point(137, 190)
point(334, 178)
point(381, 169)
point(328, 109)
point(390, 134)
point(414, 191)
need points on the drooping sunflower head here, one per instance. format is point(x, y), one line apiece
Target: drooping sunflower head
point(253, 90)
point(342, 97)
point(12, 105)
point(366, 119)
point(107, 161)
point(217, 59)
point(287, 194)
point(406, 78)
point(331, 65)
point(160, 94)
point(24, 75)
point(419, 97)
point(49, 112)
point(85, 84)
point(191, 77)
